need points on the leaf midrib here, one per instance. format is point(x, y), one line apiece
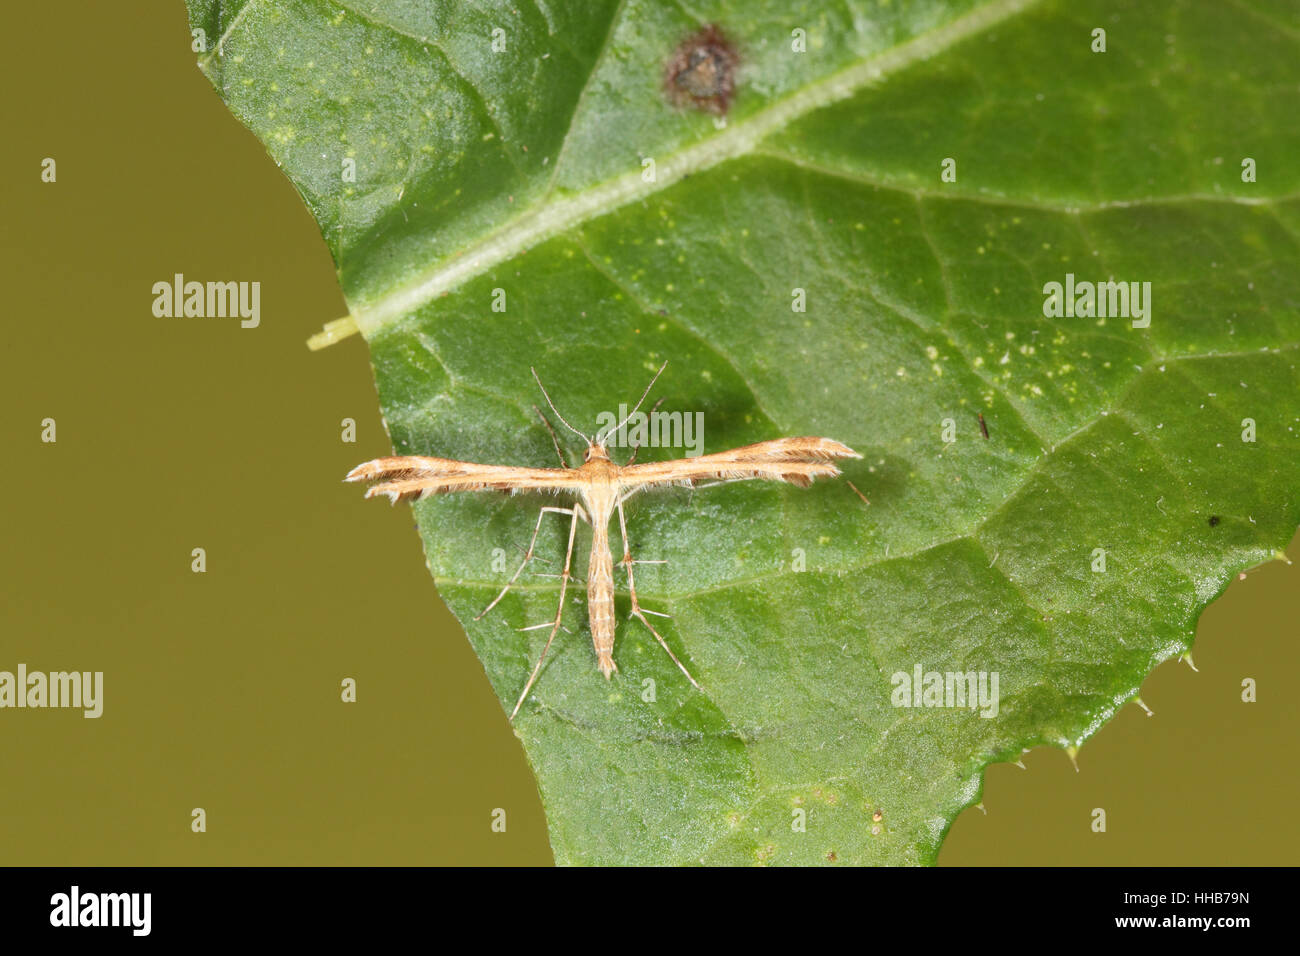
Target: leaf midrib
point(556, 216)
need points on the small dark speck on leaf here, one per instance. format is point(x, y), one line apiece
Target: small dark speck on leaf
point(1214, 519)
point(702, 72)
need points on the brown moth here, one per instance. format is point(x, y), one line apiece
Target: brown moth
point(601, 487)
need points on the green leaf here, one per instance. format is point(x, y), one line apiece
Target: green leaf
point(522, 170)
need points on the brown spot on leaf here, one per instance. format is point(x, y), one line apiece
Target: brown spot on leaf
point(702, 72)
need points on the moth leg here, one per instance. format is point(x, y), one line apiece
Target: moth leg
point(637, 610)
point(559, 611)
point(528, 556)
point(554, 440)
point(654, 408)
point(627, 557)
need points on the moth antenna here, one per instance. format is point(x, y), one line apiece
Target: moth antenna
point(556, 410)
point(639, 403)
point(636, 448)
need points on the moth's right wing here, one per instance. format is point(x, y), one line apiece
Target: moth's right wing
point(409, 477)
point(794, 460)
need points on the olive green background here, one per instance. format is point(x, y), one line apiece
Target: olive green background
point(222, 689)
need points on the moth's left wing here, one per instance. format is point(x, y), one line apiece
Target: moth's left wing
point(794, 460)
point(409, 477)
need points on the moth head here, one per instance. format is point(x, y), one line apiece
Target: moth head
point(596, 448)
